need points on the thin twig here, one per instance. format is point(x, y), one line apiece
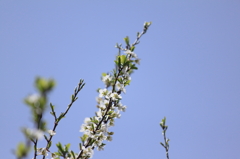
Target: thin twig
point(74, 98)
point(166, 145)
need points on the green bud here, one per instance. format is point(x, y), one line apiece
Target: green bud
point(132, 48)
point(84, 137)
point(110, 133)
point(44, 85)
point(67, 147)
point(127, 40)
point(60, 148)
point(49, 144)
point(22, 150)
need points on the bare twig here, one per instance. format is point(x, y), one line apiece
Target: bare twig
point(73, 99)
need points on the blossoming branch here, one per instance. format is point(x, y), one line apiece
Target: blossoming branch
point(95, 129)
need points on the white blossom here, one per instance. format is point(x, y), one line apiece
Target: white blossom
point(87, 121)
point(128, 78)
point(87, 151)
point(104, 128)
point(115, 96)
point(99, 113)
point(86, 125)
point(54, 156)
point(51, 132)
point(98, 143)
point(34, 98)
point(42, 151)
point(107, 79)
point(121, 87)
point(98, 99)
point(121, 107)
point(116, 114)
point(35, 133)
point(103, 104)
point(129, 52)
point(125, 71)
point(103, 92)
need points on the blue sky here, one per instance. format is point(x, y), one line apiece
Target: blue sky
point(189, 72)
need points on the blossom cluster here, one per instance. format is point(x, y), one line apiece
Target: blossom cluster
point(96, 129)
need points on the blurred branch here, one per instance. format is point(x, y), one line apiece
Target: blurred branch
point(166, 140)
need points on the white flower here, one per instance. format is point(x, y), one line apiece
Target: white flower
point(34, 98)
point(98, 143)
point(103, 92)
point(54, 156)
point(125, 69)
point(129, 52)
point(104, 104)
point(99, 113)
point(98, 99)
point(42, 151)
point(126, 75)
point(87, 121)
point(121, 107)
point(116, 114)
point(34, 133)
point(104, 128)
point(85, 127)
point(107, 79)
point(115, 96)
point(128, 78)
point(120, 87)
point(51, 132)
point(87, 151)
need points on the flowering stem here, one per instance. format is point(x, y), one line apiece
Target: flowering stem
point(96, 126)
point(108, 108)
point(110, 101)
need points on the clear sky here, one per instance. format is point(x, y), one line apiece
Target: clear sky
point(189, 72)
